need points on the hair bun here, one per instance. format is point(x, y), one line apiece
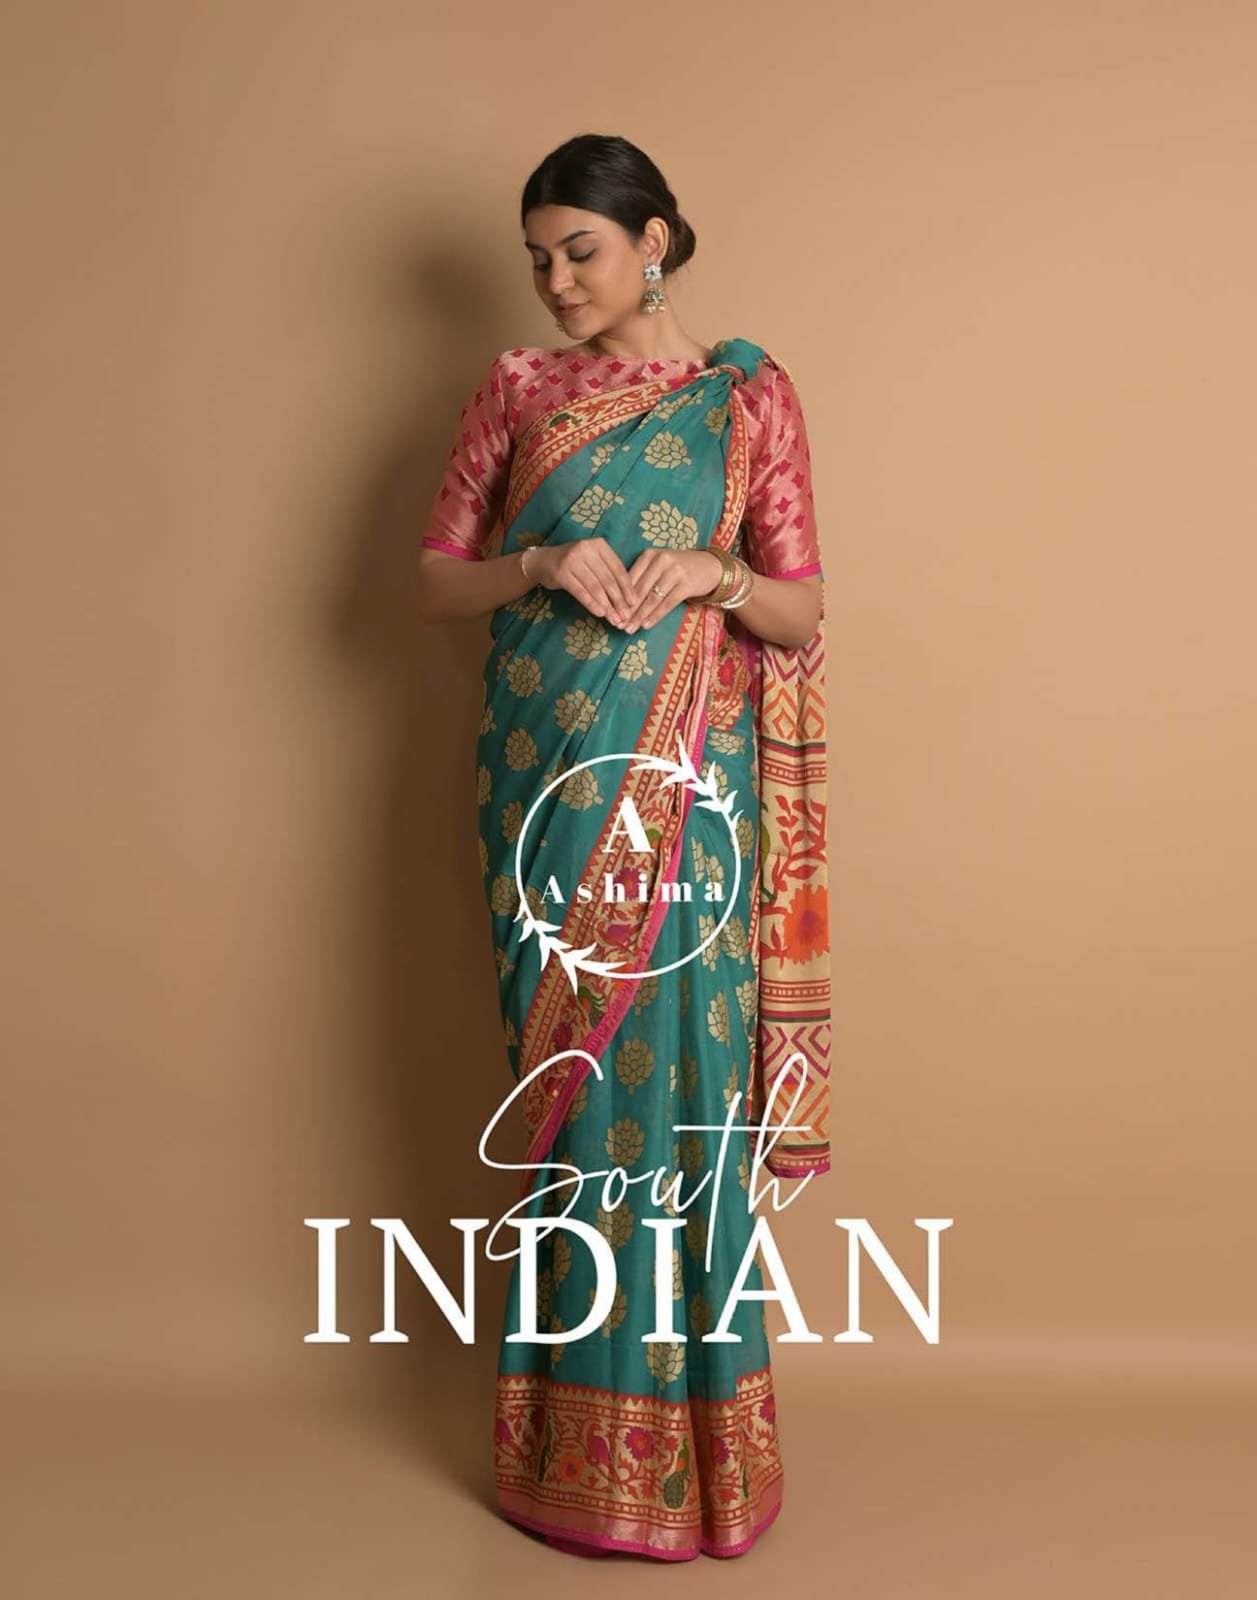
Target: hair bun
point(681, 244)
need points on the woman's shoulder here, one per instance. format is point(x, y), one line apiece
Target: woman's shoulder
point(511, 365)
point(776, 364)
point(522, 366)
point(765, 394)
point(532, 356)
point(772, 369)
point(526, 378)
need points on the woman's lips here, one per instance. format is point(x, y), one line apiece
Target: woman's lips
point(570, 311)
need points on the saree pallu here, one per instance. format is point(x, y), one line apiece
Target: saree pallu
point(610, 1439)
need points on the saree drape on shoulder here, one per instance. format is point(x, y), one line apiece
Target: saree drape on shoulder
point(634, 1052)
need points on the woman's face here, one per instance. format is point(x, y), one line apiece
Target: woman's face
point(586, 269)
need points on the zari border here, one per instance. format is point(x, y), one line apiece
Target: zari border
point(790, 925)
point(670, 1479)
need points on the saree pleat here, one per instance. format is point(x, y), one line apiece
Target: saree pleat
point(611, 1438)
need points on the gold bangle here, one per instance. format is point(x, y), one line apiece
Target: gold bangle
point(744, 586)
point(523, 563)
point(727, 580)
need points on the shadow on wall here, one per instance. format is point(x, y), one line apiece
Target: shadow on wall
point(431, 1065)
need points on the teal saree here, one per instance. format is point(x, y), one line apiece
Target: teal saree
point(639, 1020)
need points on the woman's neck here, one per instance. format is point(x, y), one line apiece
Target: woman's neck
point(654, 338)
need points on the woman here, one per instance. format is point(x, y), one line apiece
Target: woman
point(646, 1033)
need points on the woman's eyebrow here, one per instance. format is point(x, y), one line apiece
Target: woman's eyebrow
point(531, 246)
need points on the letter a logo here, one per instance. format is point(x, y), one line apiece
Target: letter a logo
point(626, 815)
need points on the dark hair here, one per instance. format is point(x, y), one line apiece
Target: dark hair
point(602, 172)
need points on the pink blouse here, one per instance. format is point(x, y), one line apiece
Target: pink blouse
point(519, 385)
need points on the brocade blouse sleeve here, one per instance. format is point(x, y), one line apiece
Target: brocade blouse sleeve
point(781, 537)
point(473, 485)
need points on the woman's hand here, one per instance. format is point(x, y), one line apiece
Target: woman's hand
point(589, 569)
point(680, 574)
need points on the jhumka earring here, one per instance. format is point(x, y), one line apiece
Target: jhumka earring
point(653, 299)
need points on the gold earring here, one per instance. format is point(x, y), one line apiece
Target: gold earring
point(653, 299)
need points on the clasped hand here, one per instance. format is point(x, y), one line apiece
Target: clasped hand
point(591, 570)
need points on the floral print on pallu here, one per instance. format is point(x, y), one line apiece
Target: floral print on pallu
point(523, 676)
point(668, 527)
point(711, 952)
point(635, 662)
point(616, 1225)
point(575, 711)
point(708, 867)
point(504, 897)
point(587, 639)
point(718, 1019)
point(521, 750)
point(718, 776)
point(645, 995)
point(591, 503)
point(692, 1153)
point(734, 939)
point(634, 1063)
point(639, 1460)
point(716, 417)
point(795, 911)
point(666, 1361)
point(625, 1142)
point(730, 685)
point(667, 450)
point(665, 410)
point(581, 790)
point(726, 744)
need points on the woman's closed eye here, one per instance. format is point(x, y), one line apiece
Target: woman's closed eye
point(539, 266)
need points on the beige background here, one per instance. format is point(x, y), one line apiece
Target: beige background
point(256, 255)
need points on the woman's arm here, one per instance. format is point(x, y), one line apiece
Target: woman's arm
point(587, 568)
point(450, 586)
point(784, 611)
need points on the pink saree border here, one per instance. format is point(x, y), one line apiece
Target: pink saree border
point(450, 549)
point(810, 571)
point(704, 1546)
